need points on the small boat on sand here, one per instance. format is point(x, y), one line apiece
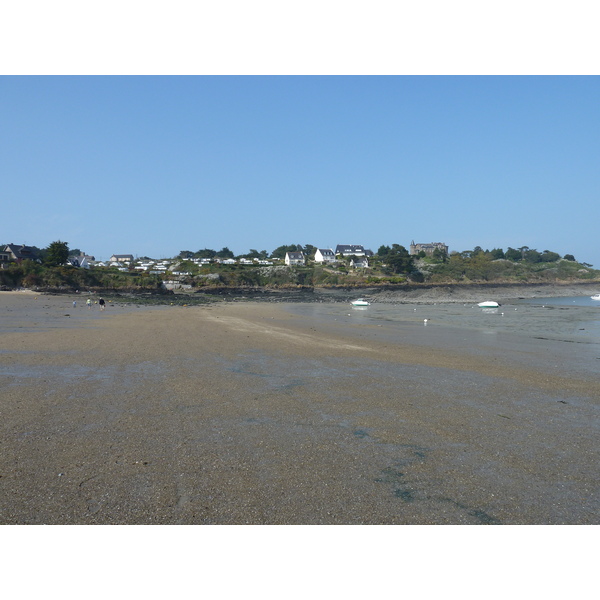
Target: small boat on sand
point(488, 304)
point(360, 302)
point(595, 297)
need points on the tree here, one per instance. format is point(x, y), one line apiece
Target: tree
point(281, 250)
point(253, 253)
point(309, 250)
point(569, 257)
point(206, 253)
point(497, 253)
point(532, 255)
point(383, 251)
point(399, 260)
point(440, 255)
point(57, 254)
point(548, 256)
point(185, 254)
point(512, 254)
point(225, 252)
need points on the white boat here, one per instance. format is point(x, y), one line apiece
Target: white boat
point(360, 302)
point(488, 304)
point(595, 297)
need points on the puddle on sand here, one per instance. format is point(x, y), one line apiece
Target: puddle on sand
point(360, 433)
point(81, 372)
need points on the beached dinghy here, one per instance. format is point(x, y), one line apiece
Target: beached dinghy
point(360, 302)
point(595, 297)
point(488, 304)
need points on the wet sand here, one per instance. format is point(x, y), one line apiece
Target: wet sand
point(254, 413)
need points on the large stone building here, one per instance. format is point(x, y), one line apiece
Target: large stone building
point(429, 249)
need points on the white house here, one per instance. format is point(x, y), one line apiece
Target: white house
point(325, 255)
point(80, 261)
point(350, 250)
point(145, 266)
point(359, 263)
point(294, 258)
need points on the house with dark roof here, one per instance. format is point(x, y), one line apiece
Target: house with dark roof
point(19, 253)
point(360, 262)
point(81, 261)
point(294, 258)
point(325, 255)
point(344, 250)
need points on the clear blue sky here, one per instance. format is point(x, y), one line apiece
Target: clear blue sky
point(155, 165)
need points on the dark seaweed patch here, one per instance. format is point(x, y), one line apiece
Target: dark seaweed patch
point(405, 495)
point(396, 479)
point(390, 475)
point(483, 517)
point(418, 451)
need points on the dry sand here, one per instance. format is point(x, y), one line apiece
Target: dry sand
point(248, 413)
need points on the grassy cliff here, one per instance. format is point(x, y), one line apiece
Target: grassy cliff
point(454, 269)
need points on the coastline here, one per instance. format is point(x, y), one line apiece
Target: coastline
point(404, 293)
point(472, 292)
point(503, 292)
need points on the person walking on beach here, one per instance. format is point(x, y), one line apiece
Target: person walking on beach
point(89, 303)
point(101, 303)
point(74, 303)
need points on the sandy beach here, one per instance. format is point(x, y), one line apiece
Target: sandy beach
point(262, 413)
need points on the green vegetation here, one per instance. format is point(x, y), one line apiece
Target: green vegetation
point(516, 265)
point(281, 250)
point(399, 260)
point(30, 274)
point(392, 265)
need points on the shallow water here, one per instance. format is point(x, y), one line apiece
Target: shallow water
point(563, 301)
point(564, 334)
point(561, 319)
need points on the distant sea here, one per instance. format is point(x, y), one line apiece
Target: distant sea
point(566, 301)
